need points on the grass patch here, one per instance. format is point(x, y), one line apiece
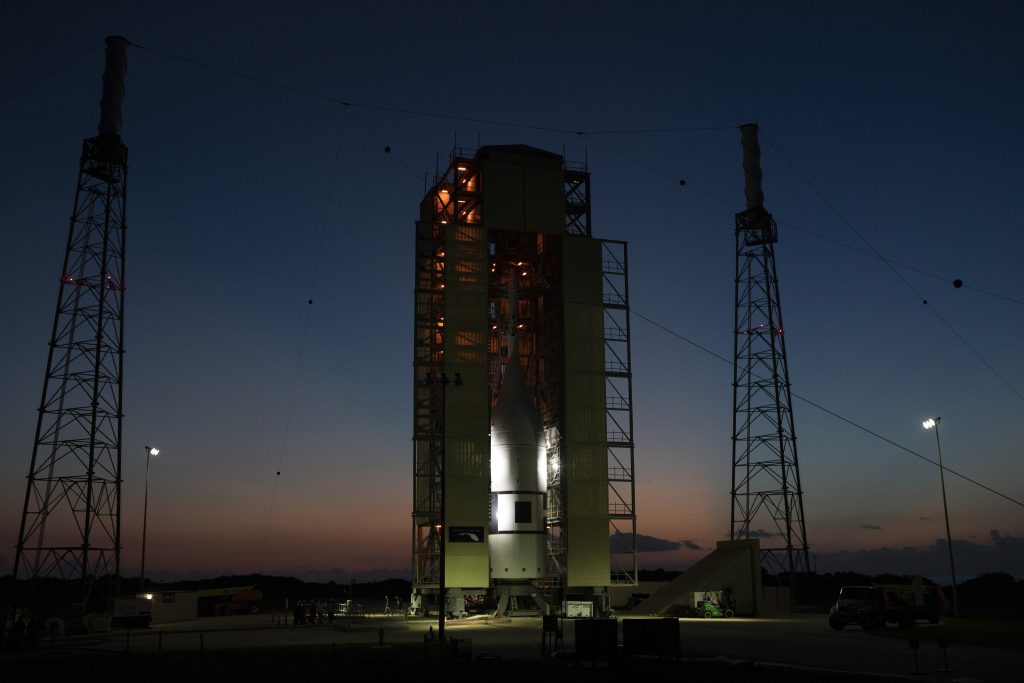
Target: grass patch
point(989, 631)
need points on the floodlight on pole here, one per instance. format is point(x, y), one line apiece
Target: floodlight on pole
point(933, 422)
point(150, 452)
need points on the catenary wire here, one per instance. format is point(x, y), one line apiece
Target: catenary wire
point(511, 124)
point(834, 414)
point(878, 254)
point(416, 112)
point(305, 325)
point(568, 131)
point(47, 75)
point(387, 149)
point(817, 235)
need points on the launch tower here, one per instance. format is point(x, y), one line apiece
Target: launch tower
point(521, 319)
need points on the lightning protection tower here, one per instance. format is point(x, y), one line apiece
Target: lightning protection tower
point(71, 520)
point(767, 501)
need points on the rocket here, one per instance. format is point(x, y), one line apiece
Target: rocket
point(518, 473)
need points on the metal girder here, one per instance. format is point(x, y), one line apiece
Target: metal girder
point(619, 412)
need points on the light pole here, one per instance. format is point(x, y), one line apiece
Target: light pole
point(150, 452)
point(442, 602)
point(929, 424)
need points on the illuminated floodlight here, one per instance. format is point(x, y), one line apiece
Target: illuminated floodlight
point(150, 452)
point(933, 422)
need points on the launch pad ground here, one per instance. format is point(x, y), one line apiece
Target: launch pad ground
point(253, 647)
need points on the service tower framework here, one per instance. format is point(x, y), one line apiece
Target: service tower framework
point(71, 520)
point(767, 501)
point(516, 212)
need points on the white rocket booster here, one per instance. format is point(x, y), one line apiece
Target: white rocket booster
point(518, 536)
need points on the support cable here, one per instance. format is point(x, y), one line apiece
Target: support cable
point(660, 172)
point(896, 272)
point(305, 325)
point(579, 133)
point(817, 235)
point(510, 124)
point(387, 148)
point(551, 129)
point(416, 112)
point(905, 266)
point(47, 75)
point(833, 413)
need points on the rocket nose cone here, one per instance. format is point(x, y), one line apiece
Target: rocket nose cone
point(514, 418)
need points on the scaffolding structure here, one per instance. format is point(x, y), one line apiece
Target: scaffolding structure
point(465, 262)
point(619, 412)
point(453, 208)
point(767, 499)
point(71, 519)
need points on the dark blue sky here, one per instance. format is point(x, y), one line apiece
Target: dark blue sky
point(904, 117)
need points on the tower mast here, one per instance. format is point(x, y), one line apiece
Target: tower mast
point(71, 520)
point(767, 500)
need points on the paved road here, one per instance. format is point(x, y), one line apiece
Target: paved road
point(806, 640)
point(798, 640)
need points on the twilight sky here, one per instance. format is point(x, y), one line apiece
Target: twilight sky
point(894, 123)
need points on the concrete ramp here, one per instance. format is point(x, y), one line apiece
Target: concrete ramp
point(733, 564)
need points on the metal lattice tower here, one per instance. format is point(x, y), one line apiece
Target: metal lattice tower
point(71, 520)
point(767, 501)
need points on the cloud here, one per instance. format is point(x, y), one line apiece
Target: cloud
point(690, 545)
point(301, 572)
point(870, 527)
point(759, 533)
point(644, 544)
point(1007, 546)
point(1003, 554)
